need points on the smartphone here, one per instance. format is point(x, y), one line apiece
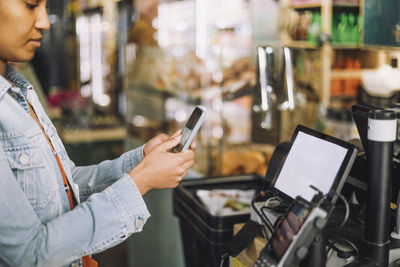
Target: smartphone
point(294, 234)
point(191, 128)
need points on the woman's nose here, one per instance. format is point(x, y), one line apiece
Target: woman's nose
point(42, 21)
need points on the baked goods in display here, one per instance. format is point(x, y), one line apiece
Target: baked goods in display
point(242, 161)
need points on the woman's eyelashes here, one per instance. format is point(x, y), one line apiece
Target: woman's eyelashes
point(32, 5)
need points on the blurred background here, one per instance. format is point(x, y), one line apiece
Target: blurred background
point(114, 73)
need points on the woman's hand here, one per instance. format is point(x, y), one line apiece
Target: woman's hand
point(161, 168)
point(160, 139)
point(154, 142)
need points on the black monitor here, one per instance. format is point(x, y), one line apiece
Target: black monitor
point(316, 159)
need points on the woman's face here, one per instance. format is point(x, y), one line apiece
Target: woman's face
point(22, 23)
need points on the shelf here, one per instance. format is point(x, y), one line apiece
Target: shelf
point(73, 136)
point(352, 5)
point(335, 46)
point(310, 5)
point(318, 4)
point(301, 45)
point(338, 46)
point(166, 93)
point(243, 92)
point(347, 74)
point(150, 90)
point(343, 98)
point(187, 98)
point(380, 48)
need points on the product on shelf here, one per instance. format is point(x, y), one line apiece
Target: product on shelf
point(304, 23)
point(307, 26)
point(346, 87)
point(346, 27)
point(314, 29)
point(243, 160)
point(241, 75)
point(308, 68)
point(186, 72)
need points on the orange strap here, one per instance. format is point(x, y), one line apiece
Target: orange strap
point(66, 183)
point(87, 261)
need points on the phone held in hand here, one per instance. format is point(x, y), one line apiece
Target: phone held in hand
point(191, 128)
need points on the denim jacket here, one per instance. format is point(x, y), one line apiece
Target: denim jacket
point(37, 227)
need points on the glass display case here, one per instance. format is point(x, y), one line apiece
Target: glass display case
point(204, 55)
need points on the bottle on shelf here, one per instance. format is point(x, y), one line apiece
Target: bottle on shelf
point(343, 28)
point(352, 29)
point(314, 28)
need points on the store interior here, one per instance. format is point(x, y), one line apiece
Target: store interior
point(114, 73)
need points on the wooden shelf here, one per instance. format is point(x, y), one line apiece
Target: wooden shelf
point(165, 93)
point(347, 74)
point(308, 45)
point(343, 98)
point(353, 5)
point(318, 4)
point(346, 46)
point(381, 48)
point(310, 5)
point(301, 45)
point(71, 136)
point(249, 90)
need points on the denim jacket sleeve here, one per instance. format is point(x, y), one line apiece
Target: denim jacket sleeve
point(95, 178)
point(103, 220)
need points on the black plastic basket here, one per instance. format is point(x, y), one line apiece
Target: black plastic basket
point(204, 235)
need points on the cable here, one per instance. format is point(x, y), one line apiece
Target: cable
point(346, 203)
point(223, 257)
point(271, 203)
point(270, 229)
point(347, 214)
point(345, 218)
point(347, 242)
point(277, 199)
point(324, 197)
point(270, 225)
point(331, 245)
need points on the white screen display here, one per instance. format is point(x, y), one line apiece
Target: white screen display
point(310, 161)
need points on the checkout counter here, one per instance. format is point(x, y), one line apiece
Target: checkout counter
point(351, 222)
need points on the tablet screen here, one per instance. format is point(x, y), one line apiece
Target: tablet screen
point(316, 161)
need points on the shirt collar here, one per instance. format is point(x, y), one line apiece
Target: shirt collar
point(11, 75)
point(4, 86)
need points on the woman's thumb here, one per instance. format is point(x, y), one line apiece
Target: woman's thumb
point(170, 143)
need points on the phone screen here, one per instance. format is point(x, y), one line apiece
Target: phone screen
point(288, 228)
point(188, 128)
point(196, 114)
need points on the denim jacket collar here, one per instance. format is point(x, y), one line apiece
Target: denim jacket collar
point(11, 75)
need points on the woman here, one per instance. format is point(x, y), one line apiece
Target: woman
point(53, 213)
